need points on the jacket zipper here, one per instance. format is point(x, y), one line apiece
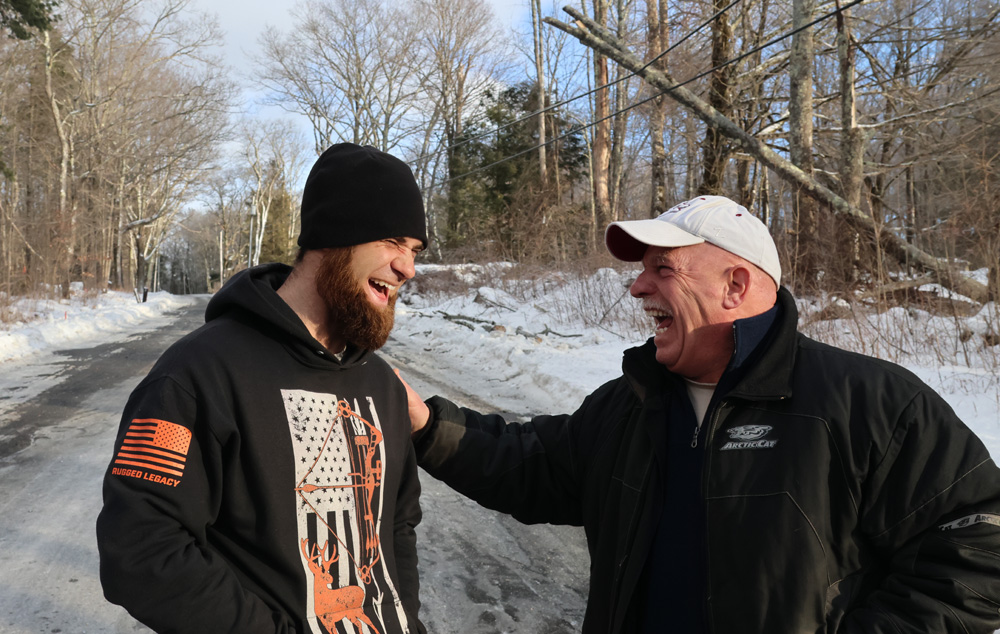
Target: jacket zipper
point(697, 426)
point(694, 439)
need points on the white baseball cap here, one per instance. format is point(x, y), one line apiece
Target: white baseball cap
point(713, 219)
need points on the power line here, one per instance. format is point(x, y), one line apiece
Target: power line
point(581, 95)
point(650, 98)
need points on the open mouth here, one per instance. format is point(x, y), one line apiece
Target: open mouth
point(381, 289)
point(662, 318)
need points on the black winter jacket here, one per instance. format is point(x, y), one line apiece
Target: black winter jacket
point(840, 493)
point(259, 485)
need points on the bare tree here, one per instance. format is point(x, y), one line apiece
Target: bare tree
point(715, 149)
point(160, 100)
point(65, 215)
point(852, 138)
point(110, 127)
point(132, 109)
point(624, 86)
point(657, 40)
point(464, 58)
point(272, 158)
point(351, 67)
point(601, 145)
point(593, 35)
point(806, 263)
point(539, 50)
point(217, 230)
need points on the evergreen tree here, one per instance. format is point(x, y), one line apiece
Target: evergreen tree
point(278, 244)
point(18, 16)
point(496, 176)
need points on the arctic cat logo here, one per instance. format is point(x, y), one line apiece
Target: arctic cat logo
point(970, 520)
point(749, 437)
point(748, 432)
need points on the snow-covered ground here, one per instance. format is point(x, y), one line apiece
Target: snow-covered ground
point(85, 319)
point(541, 346)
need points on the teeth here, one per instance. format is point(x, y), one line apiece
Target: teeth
point(658, 313)
point(384, 285)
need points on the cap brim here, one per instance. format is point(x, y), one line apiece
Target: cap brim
point(628, 240)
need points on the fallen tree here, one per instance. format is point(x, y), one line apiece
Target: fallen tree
point(592, 35)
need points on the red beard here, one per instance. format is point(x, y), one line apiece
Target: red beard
point(350, 314)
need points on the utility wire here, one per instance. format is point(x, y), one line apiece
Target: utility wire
point(650, 98)
point(581, 95)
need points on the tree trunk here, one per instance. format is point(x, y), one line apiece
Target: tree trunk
point(619, 129)
point(536, 27)
point(657, 38)
point(602, 129)
point(851, 143)
point(715, 148)
point(67, 220)
point(745, 181)
point(806, 265)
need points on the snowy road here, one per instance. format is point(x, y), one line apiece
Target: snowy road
point(58, 423)
point(480, 572)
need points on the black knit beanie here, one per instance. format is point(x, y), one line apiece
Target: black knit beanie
point(356, 194)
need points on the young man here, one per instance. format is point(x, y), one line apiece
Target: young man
point(740, 477)
point(263, 480)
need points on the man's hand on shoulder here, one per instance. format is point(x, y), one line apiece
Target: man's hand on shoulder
point(419, 412)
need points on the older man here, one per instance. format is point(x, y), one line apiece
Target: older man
point(263, 480)
point(740, 477)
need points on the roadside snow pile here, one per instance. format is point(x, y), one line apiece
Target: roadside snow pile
point(523, 344)
point(85, 318)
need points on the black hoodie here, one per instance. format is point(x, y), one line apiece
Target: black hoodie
point(261, 484)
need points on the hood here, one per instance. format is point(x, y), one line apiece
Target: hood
point(251, 297)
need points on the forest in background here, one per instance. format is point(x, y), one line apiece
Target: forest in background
point(866, 135)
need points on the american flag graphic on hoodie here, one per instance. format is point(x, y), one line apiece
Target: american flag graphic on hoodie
point(157, 445)
point(339, 467)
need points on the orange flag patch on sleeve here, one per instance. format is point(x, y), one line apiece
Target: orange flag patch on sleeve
point(156, 445)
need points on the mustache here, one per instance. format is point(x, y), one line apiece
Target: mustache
point(651, 306)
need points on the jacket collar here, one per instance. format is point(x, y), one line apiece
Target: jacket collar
point(769, 365)
point(769, 372)
point(748, 334)
point(643, 372)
